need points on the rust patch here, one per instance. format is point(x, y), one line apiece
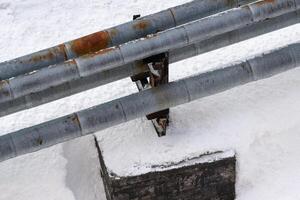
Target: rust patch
point(62, 50)
point(2, 87)
point(42, 57)
point(91, 43)
point(74, 118)
point(50, 54)
point(141, 25)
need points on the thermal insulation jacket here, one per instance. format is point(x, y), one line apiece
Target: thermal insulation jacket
point(141, 27)
point(148, 101)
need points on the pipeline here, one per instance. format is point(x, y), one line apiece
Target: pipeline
point(82, 84)
point(148, 101)
point(160, 21)
point(165, 41)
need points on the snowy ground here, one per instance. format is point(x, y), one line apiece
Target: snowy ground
point(260, 121)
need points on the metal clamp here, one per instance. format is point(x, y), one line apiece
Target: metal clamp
point(158, 75)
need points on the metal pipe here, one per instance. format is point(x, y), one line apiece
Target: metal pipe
point(148, 101)
point(117, 35)
point(82, 84)
point(154, 44)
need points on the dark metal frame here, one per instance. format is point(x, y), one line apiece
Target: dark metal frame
point(158, 75)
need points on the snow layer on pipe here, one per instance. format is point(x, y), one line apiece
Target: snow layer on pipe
point(266, 150)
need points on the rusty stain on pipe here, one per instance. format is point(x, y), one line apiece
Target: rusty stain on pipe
point(141, 25)
point(89, 44)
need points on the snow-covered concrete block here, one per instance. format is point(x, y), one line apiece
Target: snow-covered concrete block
point(207, 176)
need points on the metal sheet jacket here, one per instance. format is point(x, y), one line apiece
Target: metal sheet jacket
point(117, 35)
point(137, 105)
point(165, 41)
point(82, 84)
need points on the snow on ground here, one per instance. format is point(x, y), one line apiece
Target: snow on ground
point(260, 121)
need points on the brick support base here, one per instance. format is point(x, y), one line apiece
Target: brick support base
point(206, 177)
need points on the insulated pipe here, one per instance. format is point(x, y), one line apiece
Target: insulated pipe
point(117, 35)
point(82, 84)
point(148, 101)
point(117, 56)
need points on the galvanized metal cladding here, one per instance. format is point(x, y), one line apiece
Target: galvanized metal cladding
point(110, 58)
point(117, 35)
point(148, 101)
point(101, 78)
